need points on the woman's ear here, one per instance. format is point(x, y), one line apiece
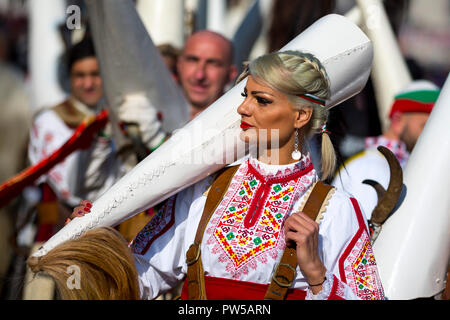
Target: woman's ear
point(303, 116)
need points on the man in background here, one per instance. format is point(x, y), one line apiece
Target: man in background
point(205, 68)
point(408, 115)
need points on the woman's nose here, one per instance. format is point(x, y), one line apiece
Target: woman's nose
point(244, 108)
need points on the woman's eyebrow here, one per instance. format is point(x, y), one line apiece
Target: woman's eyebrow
point(263, 92)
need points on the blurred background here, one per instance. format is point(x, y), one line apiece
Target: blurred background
point(422, 29)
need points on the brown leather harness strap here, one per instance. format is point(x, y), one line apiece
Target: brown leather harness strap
point(285, 272)
point(195, 274)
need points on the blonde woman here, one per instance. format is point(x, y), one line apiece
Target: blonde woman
point(259, 217)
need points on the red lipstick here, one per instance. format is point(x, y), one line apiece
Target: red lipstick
point(245, 125)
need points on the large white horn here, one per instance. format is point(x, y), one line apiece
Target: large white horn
point(130, 62)
point(209, 141)
point(390, 73)
point(164, 20)
point(46, 47)
point(413, 248)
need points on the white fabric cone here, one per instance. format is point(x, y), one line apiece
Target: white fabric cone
point(345, 52)
point(413, 248)
point(130, 62)
point(198, 149)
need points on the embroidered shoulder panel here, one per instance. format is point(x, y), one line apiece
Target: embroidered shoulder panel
point(159, 224)
point(358, 267)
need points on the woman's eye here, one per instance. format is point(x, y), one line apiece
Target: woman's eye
point(263, 101)
point(244, 94)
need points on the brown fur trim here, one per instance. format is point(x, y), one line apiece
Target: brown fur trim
point(71, 116)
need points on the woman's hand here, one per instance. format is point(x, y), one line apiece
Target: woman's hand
point(304, 232)
point(84, 207)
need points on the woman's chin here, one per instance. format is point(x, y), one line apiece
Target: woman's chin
point(248, 136)
point(262, 138)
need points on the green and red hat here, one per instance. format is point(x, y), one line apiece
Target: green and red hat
point(419, 96)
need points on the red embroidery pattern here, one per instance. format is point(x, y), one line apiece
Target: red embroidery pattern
point(160, 223)
point(361, 270)
point(396, 146)
point(338, 290)
point(358, 267)
point(246, 227)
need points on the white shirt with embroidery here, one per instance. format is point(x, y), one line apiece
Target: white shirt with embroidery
point(244, 240)
point(83, 174)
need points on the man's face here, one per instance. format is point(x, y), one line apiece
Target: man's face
point(412, 128)
point(85, 81)
point(204, 69)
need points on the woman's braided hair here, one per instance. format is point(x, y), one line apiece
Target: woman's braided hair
point(294, 73)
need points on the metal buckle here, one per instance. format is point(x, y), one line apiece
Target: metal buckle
point(196, 247)
point(275, 274)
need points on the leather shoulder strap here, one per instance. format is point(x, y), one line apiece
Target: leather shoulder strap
point(316, 199)
point(285, 272)
point(195, 273)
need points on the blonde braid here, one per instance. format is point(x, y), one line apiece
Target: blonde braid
point(319, 119)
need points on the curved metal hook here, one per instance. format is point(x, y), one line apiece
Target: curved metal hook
point(387, 199)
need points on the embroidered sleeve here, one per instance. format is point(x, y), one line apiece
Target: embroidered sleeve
point(357, 265)
point(158, 250)
point(352, 271)
point(160, 247)
point(327, 286)
point(161, 222)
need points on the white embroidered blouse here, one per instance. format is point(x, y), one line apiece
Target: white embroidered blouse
point(244, 240)
point(84, 174)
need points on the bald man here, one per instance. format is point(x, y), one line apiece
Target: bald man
point(205, 67)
